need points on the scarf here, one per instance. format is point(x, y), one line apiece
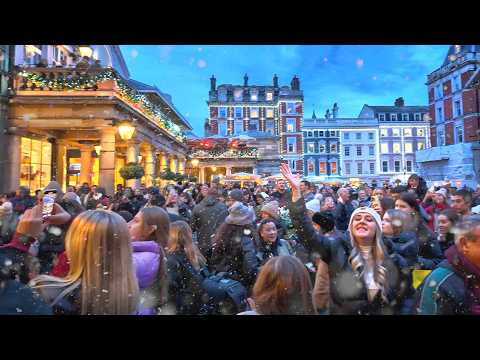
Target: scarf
point(471, 275)
point(20, 242)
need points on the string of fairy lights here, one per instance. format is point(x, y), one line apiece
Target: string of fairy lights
point(90, 81)
point(222, 154)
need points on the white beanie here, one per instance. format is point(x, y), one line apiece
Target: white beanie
point(313, 205)
point(375, 216)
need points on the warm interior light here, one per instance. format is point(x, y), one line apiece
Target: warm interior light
point(195, 162)
point(98, 148)
point(85, 50)
point(140, 157)
point(214, 168)
point(126, 130)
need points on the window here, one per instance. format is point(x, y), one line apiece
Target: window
point(333, 167)
point(420, 132)
point(238, 126)
point(440, 136)
point(371, 150)
point(254, 95)
point(358, 136)
point(408, 147)
point(409, 165)
point(407, 132)
point(338, 133)
point(322, 167)
point(291, 163)
point(311, 167)
point(385, 166)
point(320, 133)
point(253, 125)
point(384, 148)
point(397, 166)
point(311, 147)
point(347, 168)
point(269, 96)
point(372, 168)
point(456, 83)
point(404, 117)
point(254, 112)
point(418, 117)
point(270, 127)
point(396, 148)
point(32, 54)
point(359, 150)
point(222, 127)
point(383, 132)
point(459, 134)
point(395, 132)
point(438, 92)
point(309, 134)
point(222, 112)
point(290, 125)
point(420, 145)
point(332, 133)
point(291, 144)
point(238, 94)
point(333, 148)
point(222, 94)
point(458, 108)
point(315, 133)
point(370, 136)
point(347, 150)
point(290, 108)
point(359, 168)
point(346, 136)
point(439, 114)
point(238, 112)
point(321, 148)
point(393, 117)
point(381, 117)
point(270, 113)
point(36, 163)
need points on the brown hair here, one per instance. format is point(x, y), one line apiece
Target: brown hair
point(155, 215)
point(400, 221)
point(181, 239)
point(283, 287)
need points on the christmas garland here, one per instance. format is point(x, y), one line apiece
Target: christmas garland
point(85, 82)
point(224, 154)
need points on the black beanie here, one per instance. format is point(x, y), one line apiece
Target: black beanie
point(325, 220)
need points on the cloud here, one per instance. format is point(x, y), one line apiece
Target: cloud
point(200, 49)
point(134, 53)
point(201, 63)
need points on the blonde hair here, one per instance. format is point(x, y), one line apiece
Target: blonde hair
point(99, 251)
point(181, 239)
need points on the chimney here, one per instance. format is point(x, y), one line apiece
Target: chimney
point(275, 81)
point(400, 102)
point(213, 83)
point(295, 83)
point(335, 111)
point(245, 80)
point(314, 116)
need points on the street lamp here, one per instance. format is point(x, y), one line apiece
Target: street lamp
point(214, 168)
point(98, 148)
point(126, 130)
point(85, 51)
point(195, 162)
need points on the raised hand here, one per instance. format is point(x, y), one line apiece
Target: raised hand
point(31, 223)
point(293, 180)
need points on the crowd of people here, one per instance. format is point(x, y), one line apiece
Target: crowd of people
point(288, 247)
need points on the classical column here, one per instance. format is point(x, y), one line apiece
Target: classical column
point(61, 169)
point(173, 164)
point(133, 150)
point(181, 166)
point(86, 163)
point(163, 162)
point(150, 173)
point(107, 160)
point(202, 175)
point(229, 170)
point(13, 161)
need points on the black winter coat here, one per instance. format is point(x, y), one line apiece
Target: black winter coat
point(18, 299)
point(207, 216)
point(347, 290)
point(342, 215)
point(185, 284)
point(238, 259)
point(430, 253)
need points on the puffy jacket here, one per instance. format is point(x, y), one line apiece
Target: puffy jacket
point(238, 260)
point(207, 216)
point(278, 248)
point(347, 289)
point(185, 284)
point(150, 263)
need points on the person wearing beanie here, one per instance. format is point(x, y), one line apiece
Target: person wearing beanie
point(270, 210)
point(363, 278)
point(234, 196)
point(313, 206)
point(438, 204)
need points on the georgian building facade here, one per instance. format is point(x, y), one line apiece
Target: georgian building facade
point(6, 57)
point(454, 112)
point(76, 116)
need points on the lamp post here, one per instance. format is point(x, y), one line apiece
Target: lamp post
point(126, 130)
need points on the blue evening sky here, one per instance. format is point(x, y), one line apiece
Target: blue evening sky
point(350, 75)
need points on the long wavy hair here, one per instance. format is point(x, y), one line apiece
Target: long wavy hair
point(379, 253)
point(98, 248)
point(181, 239)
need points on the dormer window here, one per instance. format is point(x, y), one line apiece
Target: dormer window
point(222, 94)
point(254, 95)
point(269, 96)
point(238, 94)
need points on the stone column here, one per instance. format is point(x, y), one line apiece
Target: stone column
point(163, 162)
point(150, 173)
point(173, 164)
point(86, 163)
point(202, 175)
point(61, 164)
point(107, 160)
point(229, 170)
point(133, 150)
point(181, 166)
point(12, 163)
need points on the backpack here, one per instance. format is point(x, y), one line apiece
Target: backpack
point(430, 290)
point(226, 296)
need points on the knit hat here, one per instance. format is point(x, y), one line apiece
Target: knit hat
point(236, 194)
point(71, 196)
point(313, 205)
point(54, 186)
point(271, 208)
point(240, 215)
point(325, 220)
point(442, 192)
point(374, 215)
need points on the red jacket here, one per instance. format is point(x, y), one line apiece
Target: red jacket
point(63, 266)
point(433, 211)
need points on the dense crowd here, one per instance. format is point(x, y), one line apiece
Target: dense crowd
point(288, 247)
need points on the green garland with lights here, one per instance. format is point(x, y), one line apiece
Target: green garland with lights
point(225, 154)
point(88, 82)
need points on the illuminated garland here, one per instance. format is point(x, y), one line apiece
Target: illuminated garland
point(85, 82)
point(222, 154)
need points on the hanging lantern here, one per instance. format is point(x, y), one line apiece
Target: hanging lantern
point(98, 148)
point(85, 51)
point(126, 130)
point(214, 168)
point(195, 162)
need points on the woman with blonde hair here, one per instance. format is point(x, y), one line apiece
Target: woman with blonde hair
point(184, 263)
point(363, 278)
point(283, 287)
point(149, 230)
point(101, 279)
